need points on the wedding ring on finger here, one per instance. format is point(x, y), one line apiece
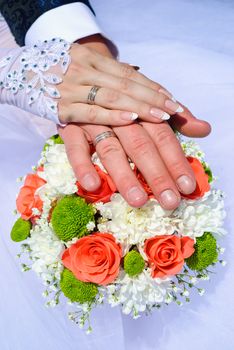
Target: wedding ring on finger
point(104, 135)
point(92, 94)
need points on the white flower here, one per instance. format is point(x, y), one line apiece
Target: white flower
point(133, 225)
point(45, 250)
point(202, 215)
point(90, 226)
point(185, 293)
point(57, 172)
point(201, 291)
point(192, 149)
point(136, 294)
point(193, 280)
point(96, 160)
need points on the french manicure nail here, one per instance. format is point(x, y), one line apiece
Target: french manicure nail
point(186, 184)
point(136, 194)
point(129, 116)
point(90, 182)
point(174, 106)
point(157, 113)
point(169, 199)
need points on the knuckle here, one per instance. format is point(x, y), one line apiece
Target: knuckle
point(83, 51)
point(64, 115)
point(159, 98)
point(124, 84)
point(159, 181)
point(127, 71)
point(112, 96)
point(108, 149)
point(178, 167)
point(70, 150)
point(141, 146)
point(164, 137)
point(92, 114)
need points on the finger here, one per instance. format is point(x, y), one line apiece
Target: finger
point(125, 70)
point(141, 149)
point(78, 152)
point(184, 122)
point(115, 161)
point(173, 156)
point(135, 90)
point(187, 124)
point(115, 100)
point(85, 113)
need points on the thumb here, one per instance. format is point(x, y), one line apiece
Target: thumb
point(187, 124)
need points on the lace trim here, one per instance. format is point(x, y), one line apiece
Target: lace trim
point(38, 60)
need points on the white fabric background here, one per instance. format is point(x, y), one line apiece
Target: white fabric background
point(189, 47)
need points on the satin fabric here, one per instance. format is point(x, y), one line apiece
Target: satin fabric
point(188, 47)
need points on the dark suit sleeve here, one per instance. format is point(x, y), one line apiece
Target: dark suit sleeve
point(21, 14)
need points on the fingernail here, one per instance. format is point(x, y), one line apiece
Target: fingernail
point(157, 113)
point(186, 184)
point(90, 182)
point(129, 116)
point(169, 199)
point(165, 92)
point(136, 194)
point(174, 106)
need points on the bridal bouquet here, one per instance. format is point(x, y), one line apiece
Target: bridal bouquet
point(91, 248)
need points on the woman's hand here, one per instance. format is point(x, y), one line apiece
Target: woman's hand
point(124, 93)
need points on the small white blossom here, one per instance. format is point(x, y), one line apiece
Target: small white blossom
point(201, 291)
point(90, 226)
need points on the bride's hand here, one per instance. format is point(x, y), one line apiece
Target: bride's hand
point(74, 83)
point(123, 92)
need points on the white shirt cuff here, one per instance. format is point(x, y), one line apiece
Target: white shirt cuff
point(70, 22)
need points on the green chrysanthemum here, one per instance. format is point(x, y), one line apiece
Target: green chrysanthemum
point(70, 217)
point(208, 172)
point(21, 230)
point(76, 290)
point(205, 253)
point(57, 140)
point(133, 263)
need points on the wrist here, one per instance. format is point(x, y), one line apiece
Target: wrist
point(98, 43)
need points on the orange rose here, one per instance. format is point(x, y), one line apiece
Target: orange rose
point(27, 199)
point(166, 254)
point(94, 258)
point(143, 182)
point(103, 193)
point(203, 185)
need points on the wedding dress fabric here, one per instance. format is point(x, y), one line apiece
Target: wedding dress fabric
point(188, 47)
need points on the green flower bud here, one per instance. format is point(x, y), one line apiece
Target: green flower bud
point(70, 217)
point(133, 263)
point(208, 172)
point(76, 290)
point(205, 253)
point(57, 140)
point(21, 230)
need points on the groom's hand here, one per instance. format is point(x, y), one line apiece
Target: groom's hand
point(152, 147)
